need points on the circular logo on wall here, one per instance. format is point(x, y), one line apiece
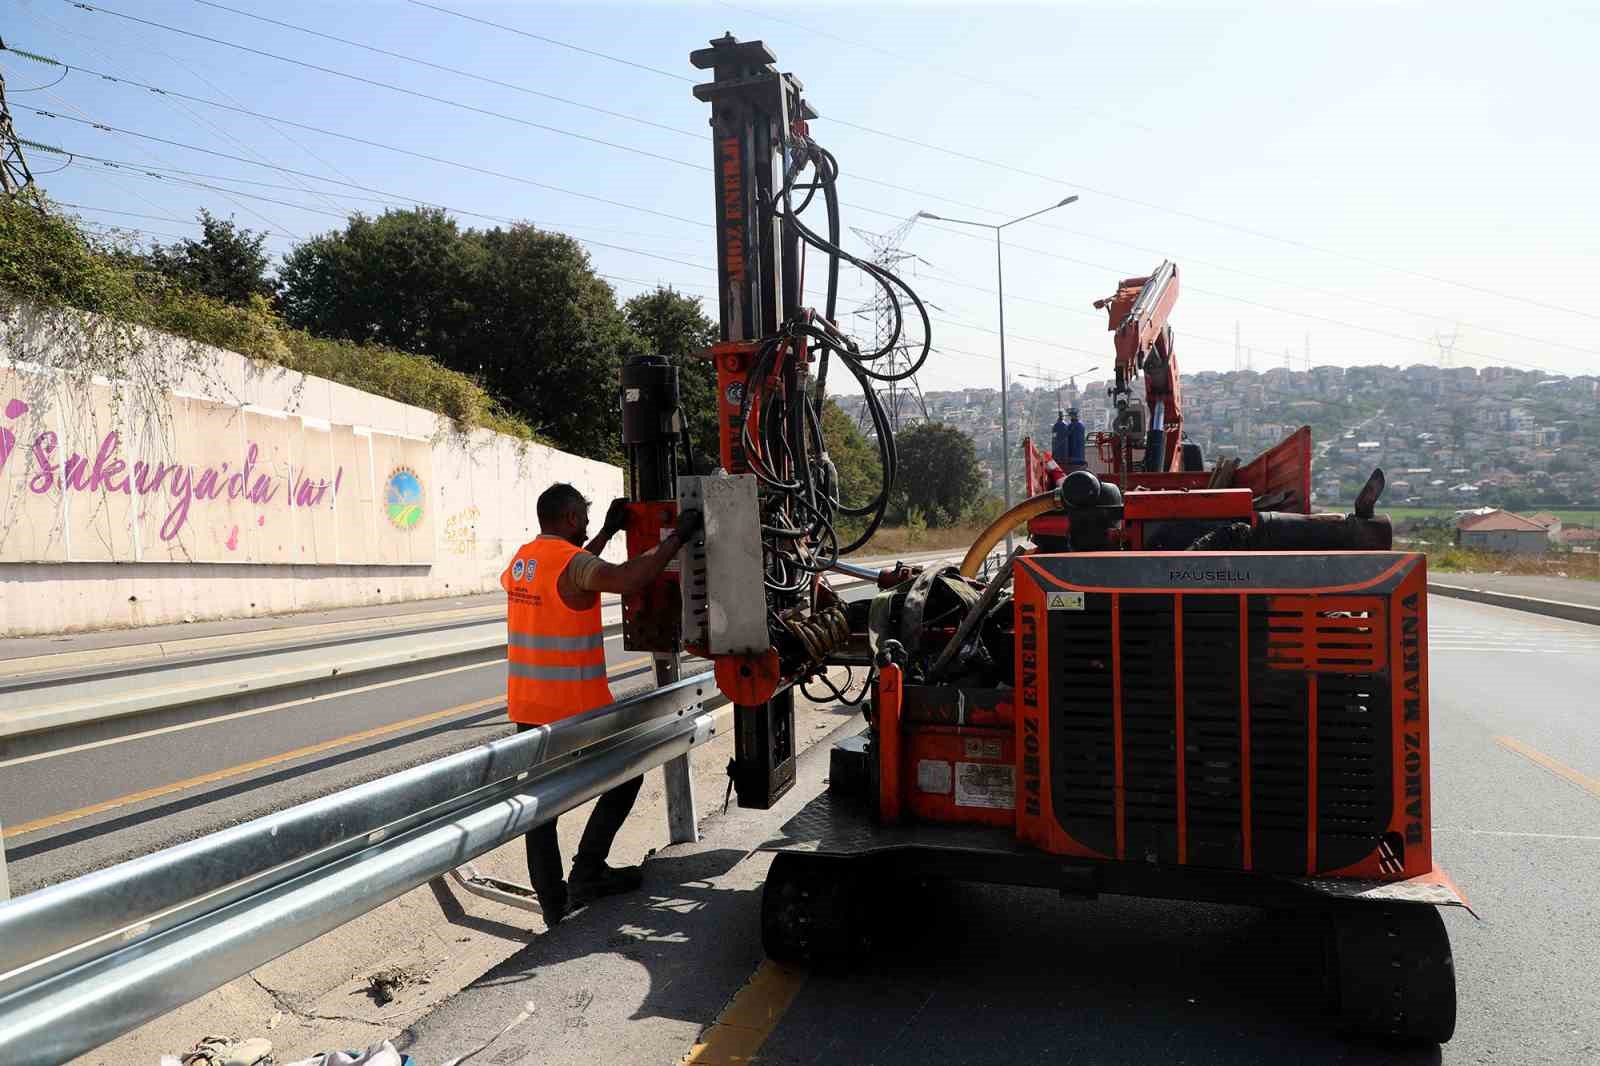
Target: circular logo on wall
point(516, 570)
point(735, 392)
point(402, 498)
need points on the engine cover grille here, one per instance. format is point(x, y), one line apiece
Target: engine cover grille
point(1249, 720)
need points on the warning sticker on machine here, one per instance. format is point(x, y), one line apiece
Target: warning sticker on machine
point(933, 775)
point(1066, 601)
point(980, 784)
point(981, 748)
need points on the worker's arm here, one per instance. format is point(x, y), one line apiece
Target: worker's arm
point(632, 576)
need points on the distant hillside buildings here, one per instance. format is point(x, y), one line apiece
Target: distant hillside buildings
point(1454, 437)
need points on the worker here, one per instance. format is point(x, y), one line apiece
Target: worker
point(557, 669)
point(1058, 438)
point(1076, 432)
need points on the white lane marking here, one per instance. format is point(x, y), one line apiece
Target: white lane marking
point(1477, 638)
point(180, 727)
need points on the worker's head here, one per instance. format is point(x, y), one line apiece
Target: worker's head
point(564, 512)
point(1074, 413)
point(1061, 416)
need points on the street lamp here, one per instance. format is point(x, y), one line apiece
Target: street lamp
point(1005, 383)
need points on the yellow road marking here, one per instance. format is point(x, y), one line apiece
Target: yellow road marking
point(1566, 773)
point(260, 764)
point(746, 1022)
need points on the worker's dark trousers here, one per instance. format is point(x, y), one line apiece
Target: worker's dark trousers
point(544, 847)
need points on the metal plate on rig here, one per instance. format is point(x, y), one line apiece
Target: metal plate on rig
point(831, 826)
point(725, 593)
point(1435, 888)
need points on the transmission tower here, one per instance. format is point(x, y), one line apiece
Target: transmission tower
point(899, 398)
point(14, 173)
point(1447, 347)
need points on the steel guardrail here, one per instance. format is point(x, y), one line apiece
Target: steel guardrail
point(89, 959)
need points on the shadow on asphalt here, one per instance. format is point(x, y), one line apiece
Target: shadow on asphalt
point(971, 973)
point(982, 973)
point(681, 926)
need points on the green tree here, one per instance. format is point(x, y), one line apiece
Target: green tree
point(938, 474)
point(853, 455)
point(517, 308)
point(227, 263)
point(673, 325)
point(546, 334)
point(398, 280)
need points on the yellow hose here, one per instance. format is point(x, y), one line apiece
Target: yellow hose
point(1028, 509)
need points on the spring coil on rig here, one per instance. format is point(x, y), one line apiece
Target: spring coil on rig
point(821, 634)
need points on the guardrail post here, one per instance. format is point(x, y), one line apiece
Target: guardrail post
point(682, 827)
point(5, 882)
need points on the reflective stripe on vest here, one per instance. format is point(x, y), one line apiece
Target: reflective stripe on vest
point(557, 673)
point(556, 657)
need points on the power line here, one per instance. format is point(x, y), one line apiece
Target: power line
point(1054, 180)
point(356, 185)
point(428, 63)
point(1265, 306)
point(93, 42)
point(517, 178)
point(128, 214)
point(444, 207)
point(474, 75)
point(271, 224)
point(213, 127)
point(187, 178)
point(1025, 248)
point(387, 85)
point(457, 163)
point(976, 79)
point(443, 160)
point(553, 41)
point(1191, 260)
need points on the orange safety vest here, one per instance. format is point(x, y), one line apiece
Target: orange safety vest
point(556, 657)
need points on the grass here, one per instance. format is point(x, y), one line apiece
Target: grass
point(1568, 516)
point(1449, 559)
point(47, 261)
point(893, 540)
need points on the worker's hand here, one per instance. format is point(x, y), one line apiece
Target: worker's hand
point(617, 516)
point(689, 523)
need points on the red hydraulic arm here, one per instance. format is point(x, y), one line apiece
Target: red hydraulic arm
point(1138, 313)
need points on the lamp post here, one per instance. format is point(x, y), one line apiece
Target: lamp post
point(1000, 281)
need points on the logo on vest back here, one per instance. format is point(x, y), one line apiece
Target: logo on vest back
point(516, 570)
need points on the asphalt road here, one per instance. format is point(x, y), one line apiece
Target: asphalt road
point(351, 737)
point(984, 974)
point(70, 812)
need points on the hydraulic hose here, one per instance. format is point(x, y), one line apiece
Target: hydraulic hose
point(1030, 508)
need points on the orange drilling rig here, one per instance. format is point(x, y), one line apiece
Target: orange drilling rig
point(1186, 685)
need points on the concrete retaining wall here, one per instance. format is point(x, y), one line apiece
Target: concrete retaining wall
point(361, 499)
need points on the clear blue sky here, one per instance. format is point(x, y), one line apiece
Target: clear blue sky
point(1450, 140)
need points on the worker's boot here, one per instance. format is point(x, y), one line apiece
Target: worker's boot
point(554, 904)
point(591, 880)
